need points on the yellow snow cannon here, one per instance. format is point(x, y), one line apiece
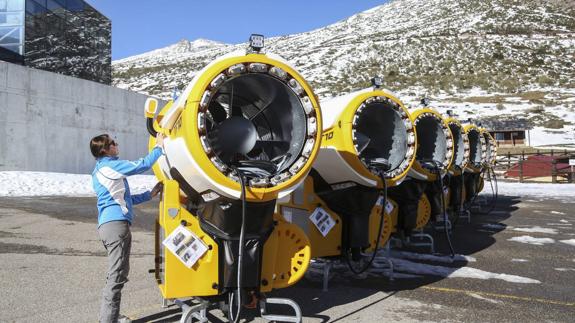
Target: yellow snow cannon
point(491, 148)
point(368, 145)
point(455, 193)
point(242, 134)
point(477, 157)
point(419, 196)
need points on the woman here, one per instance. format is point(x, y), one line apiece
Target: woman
point(115, 214)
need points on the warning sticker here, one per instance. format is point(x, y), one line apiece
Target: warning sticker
point(185, 245)
point(322, 221)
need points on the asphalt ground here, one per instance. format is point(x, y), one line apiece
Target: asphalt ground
point(52, 269)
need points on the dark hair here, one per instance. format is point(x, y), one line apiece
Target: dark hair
point(99, 145)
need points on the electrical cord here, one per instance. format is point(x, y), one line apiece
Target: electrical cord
point(437, 167)
point(461, 198)
point(494, 188)
point(378, 240)
point(240, 252)
point(443, 209)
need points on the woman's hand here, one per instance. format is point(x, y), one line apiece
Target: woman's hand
point(157, 189)
point(160, 140)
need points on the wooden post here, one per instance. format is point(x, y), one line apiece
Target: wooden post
point(554, 171)
point(521, 170)
point(508, 160)
point(551, 152)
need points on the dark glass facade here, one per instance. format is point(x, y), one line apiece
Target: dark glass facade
point(64, 36)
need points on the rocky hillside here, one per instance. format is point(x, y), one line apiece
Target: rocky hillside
point(447, 49)
point(450, 45)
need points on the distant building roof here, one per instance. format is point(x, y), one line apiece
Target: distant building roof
point(506, 125)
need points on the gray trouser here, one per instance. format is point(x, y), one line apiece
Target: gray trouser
point(117, 240)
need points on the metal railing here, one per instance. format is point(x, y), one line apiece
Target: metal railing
point(520, 167)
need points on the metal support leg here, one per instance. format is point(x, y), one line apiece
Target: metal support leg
point(382, 262)
point(297, 317)
point(165, 302)
point(326, 268)
point(422, 236)
point(197, 311)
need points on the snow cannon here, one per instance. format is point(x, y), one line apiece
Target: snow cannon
point(491, 148)
point(477, 157)
point(242, 134)
point(420, 195)
point(368, 145)
point(455, 193)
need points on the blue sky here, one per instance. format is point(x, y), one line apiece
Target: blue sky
point(144, 25)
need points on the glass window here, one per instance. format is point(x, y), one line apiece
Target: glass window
point(10, 35)
point(11, 5)
point(53, 5)
point(11, 19)
point(75, 5)
point(14, 48)
point(34, 8)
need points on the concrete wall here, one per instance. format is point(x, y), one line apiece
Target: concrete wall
point(48, 119)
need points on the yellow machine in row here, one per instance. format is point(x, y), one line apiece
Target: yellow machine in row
point(456, 187)
point(368, 145)
point(243, 133)
point(477, 156)
point(419, 196)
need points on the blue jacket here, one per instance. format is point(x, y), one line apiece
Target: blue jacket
point(111, 187)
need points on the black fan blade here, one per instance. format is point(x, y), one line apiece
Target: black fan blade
point(269, 144)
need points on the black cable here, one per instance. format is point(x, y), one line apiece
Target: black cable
point(378, 240)
point(494, 189)
point(438, 169)
point(461, 198)
point(240, 251)
point(436, 166)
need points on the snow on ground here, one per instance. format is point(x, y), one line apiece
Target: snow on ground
point(557, 212)
point(60, 184)
point(16, 183)
point(537, 229)
point(531, 240)
point(565, 269)
point(419, 256)
point(493, 301)
point(569, 242)
point(541, 190)
point(410, 267)
point(519, 260)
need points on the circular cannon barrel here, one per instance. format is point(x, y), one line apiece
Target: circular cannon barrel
point(491, 147)
point(251, 113)
point(477, 148)
point(461, 143)
point(367, 135)
point(435, 143)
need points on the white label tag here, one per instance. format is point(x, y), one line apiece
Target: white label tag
point(322, 221)
point(185, 245)
point(388, 207)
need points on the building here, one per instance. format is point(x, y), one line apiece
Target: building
point(64, 36)
point(509, 133)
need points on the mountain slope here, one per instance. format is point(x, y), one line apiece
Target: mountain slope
point(497, 45)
